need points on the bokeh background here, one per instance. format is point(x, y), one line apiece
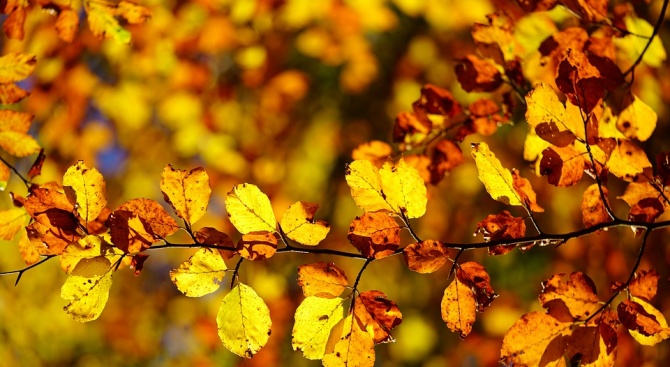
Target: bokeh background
point(277, 93)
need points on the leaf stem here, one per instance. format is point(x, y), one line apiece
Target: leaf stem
point(235, 272)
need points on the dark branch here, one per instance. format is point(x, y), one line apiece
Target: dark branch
point(21, 271)
point(657, 28)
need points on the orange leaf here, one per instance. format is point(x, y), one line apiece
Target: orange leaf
point(355, 347)
point(67, 24)
point(425, 257)
point(458, 308)
point(321, 279)
point(139, 223)
point(378, 314)
point(525, 191)
point(14, 24)
point(563, 166)
point(212, 236)
point(578, 293)
point(593, 208)
point(473, 275)
point(187, 192)
point(628, 161)
point(374, 151)
point(645, 284)
point(634, 317)
point(257, 245)
point(477, 75)
point(16, 66)
point(133, 13)
point(11, 93)
point(446, 155)
point(375, 235)
point(499, 227)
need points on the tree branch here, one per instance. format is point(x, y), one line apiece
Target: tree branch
point(21, 271)
point(657, 28)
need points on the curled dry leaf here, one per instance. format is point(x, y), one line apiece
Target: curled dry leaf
point(249, 209)
point(594, 211)
point(525, 191)
point(243, 321)
point(645, 284)
point(375, 235)
point(501, 226)
point(577, 292)
point(473, 275)
point(378, 315)
point(355, 347)
point(257, 245)
point(314, 321)
point(299, 225)
point(458, 308)
point(321, 279)
point(426, 256)
point(445, 156)
point(187, 192)
point(438, 101)
point(201, 274)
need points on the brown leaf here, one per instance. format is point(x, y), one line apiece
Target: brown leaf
point(375, 235)
point(129, 232)
point(446, 155)
point(473, 275)
point(645, 284)
point(212, 236)
point(477, 75)
point(458, 308)
point(593, 208)
point(577, 292)
point(422, 164)
point(425, 257)
point(525, 191)
point(407, 124)
point(153, 214)
point(378, 314)
point(537, 5)
point(634, 317)
point(589, 10)
point(499, 227)
point(321, 279)
point(496, 40)
point(550, 132)
point(563, 166)
point(67, 24)
point(592, 347)
point(438, 101)
point(36, 168)
point(257, 245)
point(485, 116)
point(137, 263)
point(14, 23)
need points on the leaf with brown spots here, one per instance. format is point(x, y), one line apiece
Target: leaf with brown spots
point(501, 226)
point(355, 347)
point(257, 245)
point(477, 75)
point(473, 275)
point(321, 279)
point(577, 292)
point(378, 314)
point(201, 274)
point(425, 257)
point(458, 308)
point(628, 161)
point(644, 322)
point(645, 284)
point(187, 192)
point(562, 166)
point(594, 211)
point(299, 225)
point(375, 235)
point(212, 236)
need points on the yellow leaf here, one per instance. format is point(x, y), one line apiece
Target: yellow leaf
point(656, 338)
point(594, 211)
point(637, 120)
point(628, 161)
point(497, 179)
point(366, 188)
point(187, 192)
point(582, 344)
point(11, 221)
point(18, 144)
point(577, 292)
point(458, 308)
point(404, 189)
point(16, 66)
point(201, 274)
point(299, 225)
point(28, 251)
point(4, 176)
point(133, 13)
point(249, 209)
point(314, 320)
point(15, 121)
point(321, 279)
point(545, 110)
point(354, 349)
point(11, 93)
point(86, 188)
point(632, 44)
point(87, 295)
point(243, 321)
point(102, 23)
point(90, 255)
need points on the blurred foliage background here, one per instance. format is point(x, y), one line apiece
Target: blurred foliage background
point(278, 93)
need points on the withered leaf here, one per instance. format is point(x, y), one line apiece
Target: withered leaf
point(321, 279)
point(499, 227)
point(477, 75)
point(212, 236)
point(645, 284)
point(644, 322)
point(577, 292)
point(473, 275)
point(257, 245)
point(445, 156)
point(563, 166)
point(378, 315)
point(438, 101)
point(375, 235)
point(594, 211)
point(426, 256)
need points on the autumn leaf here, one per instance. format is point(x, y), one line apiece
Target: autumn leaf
point(87, 295)
point(321, 279)
point(646, 201)
point(525, 191)
point(557, 124)
point(133, 13)
point(477, 75)
point(437, 101)
point(30, 253)
point(55, 224)
point(644, 322)
point(314, 320)
point(212, 236)
point(85, 187)
point(473, 275)
point(628, 161)
point(103, 24)
point(496, 39)
point(637, 120)
point(563, 166)
point(187, 192)
point(90, 255)
point(139, 223)
point(426, 256)
point(298, 224)
point(446, 155)
point(11, 93)
point(200, 274)
point(501, 226)
point(355, 347)
point(374, 151)
point(594, 211)
point(67, 24)
point(14, 24)
point(458, 308)
point(257, 245)
point(577, 292)
point(499, 182)
point(378, 315)
point(366, 188)
point(645, 284)
point(11, 221)
point(593, 345)
point(4, 176)
point(36, 168)
point(404, 189)
point(249, 209)
point(243, 321)
point(16, 66)
point(375, 235)
point(14, 138)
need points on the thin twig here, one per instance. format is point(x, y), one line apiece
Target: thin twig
point(21, 271)
point(455, 264)
point(11, 167)
point(657, 28)
point(235, 272)
point(358, 279)
point(405, 220)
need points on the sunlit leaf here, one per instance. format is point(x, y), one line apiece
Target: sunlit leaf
point(404, 189)
point(200, 274)
point(355, 347)
point(249, 209)
point(16, 66)
point(87, 296)
point(11, 221)
point(473, 275)
point(644, 322)
point(314, 320)
point(594, 211)
point(133, 13)
point(374, 151)
point(553, 122)
point(458, 308)
point(645, 284)
point(577, 292)
point(18, 144)
point(366, 187)
point(212, 236)
point(378, 315)
point(103, 24)
point(243, 321)
point(86, 188)
point(187, 192)
point(90, 255)
point(632, 44)
point(499, 227)
point(628, 161)
point(637, 120)
point(139, 223)
point(321, 279)
point(299, 225)
point(425, 257)
point(257, 245)
point(563, 166)
point(67, 24)
point(477, 75)
point(375, 235)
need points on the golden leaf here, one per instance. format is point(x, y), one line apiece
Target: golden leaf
point(355, 347)
point(637, 120)
point(314, 320)
point(458, 308)
point(378, 315)
point(87, 295)
point(644, 322)
point(426, 256)
point(102, 23)
point(200, 274)
point(18, 144)
point(375, 235)
point(243, 321)
point(298, 224)
point(593, 208)
point(321, 279)
point(404, 189)
point(366, 188)
point(577, 292)
point(86, 188)
point(497, 179)
point(11, 221)
point(249, 209)
point(187, 192)
point(645, 284)
point(91, 251)
point(16, 66)
point(257, 245)
point(553, 122)
point(628, 161)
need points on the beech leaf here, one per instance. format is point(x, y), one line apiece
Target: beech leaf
point(249, 209)
point(243, 321)
point(355, 347)
point(321, 279)
point(314, 320)
point(298, 224)
point(201, 274)
point(458, 308)
point(426, 256)
point(85, 187)
point(187, 192)
point(87, 295)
